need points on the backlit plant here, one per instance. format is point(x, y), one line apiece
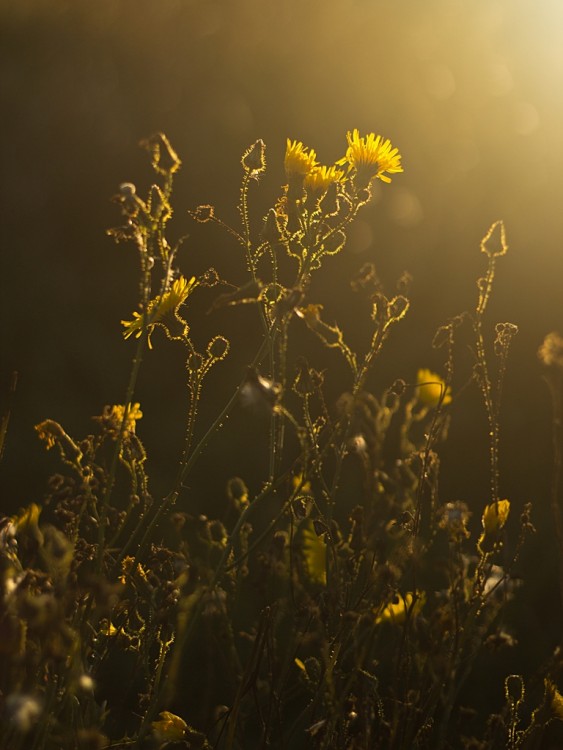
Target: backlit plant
point(345, 603)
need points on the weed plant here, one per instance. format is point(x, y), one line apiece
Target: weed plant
point(343, 604)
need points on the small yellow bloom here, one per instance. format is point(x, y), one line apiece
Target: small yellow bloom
point(314, 554)
point(158, 307)
point(169, 727)
point(319, 179)
point(495, 516)
point(396, 612)
point(432, 389)
point(116, 413)
point(299, 160)
point(370, 157)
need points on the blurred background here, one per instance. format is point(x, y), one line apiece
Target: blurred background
point(471, 94)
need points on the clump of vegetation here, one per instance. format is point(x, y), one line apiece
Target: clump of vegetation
point(343, 604)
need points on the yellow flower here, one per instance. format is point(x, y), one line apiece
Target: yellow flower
point(158, 307)
point(432, 390)
point(169, 727)
point(319, 179)
point(299, 160)
point(396, 612)
point(371, 157)
point(495, 516)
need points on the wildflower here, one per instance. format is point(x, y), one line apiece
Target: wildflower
point(116, 413)
point(432, 390)
point(396, 612)
point(299, 161)
point(495, 516)
point(158, 307)
point(551, 351)
point(169, 727)
point(319, 179)
point(370, 157)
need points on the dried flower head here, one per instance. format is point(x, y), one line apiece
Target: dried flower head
point(164, 159)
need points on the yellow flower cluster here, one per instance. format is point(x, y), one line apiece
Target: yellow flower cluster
point(367, 158)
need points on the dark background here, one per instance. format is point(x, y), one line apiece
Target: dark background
point(470, 92)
